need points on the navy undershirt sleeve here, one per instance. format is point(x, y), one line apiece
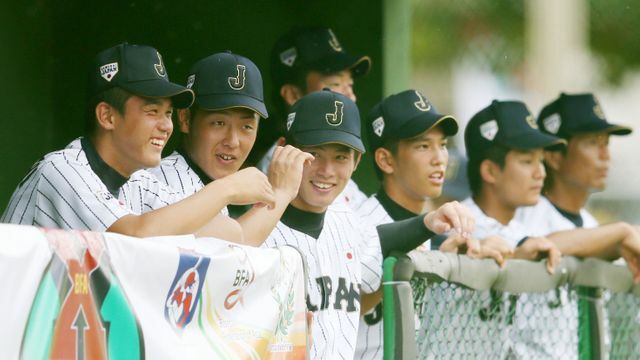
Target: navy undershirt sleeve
point(404, 235)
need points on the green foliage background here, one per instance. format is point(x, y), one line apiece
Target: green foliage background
point(492, 32)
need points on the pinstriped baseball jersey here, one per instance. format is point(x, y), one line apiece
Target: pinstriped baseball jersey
point(337, 273)
point(370, 330)
point(370, 333)
point(182, 175)
point(74, 189)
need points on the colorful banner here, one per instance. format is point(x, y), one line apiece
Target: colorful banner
point(83, 295)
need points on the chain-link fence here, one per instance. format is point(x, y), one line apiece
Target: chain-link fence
point(468, 309)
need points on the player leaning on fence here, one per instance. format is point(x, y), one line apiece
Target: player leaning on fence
point(344, 257)
point(506, 152)
point(407, 138)
point(98, 181)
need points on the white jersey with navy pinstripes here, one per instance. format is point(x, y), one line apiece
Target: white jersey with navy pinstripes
point(370, 330)
point(63, 191)
point(175, 172)
point(337, 273)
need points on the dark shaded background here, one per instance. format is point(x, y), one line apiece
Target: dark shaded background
point(46, 46)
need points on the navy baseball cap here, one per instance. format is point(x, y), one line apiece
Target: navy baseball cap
point(138, 69)
point(576, 114)
point(225, 80)
point(509, 124)
point(403, 116)
point(313, 48)
point(324, 117)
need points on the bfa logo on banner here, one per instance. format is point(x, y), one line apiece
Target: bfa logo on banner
point(184, 293)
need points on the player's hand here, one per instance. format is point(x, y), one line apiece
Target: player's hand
point(451, 216)
point(285, 170)
point(249, 186)
point(496, 248)
point(455, 243)
point(535, 248)
point(630, 252)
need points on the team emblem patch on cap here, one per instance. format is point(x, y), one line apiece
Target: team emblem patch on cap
point(288, 57)
point(531, 121)
point(489, 130)
point(335, 118)
point(552, 123)
point(597, 110)
point(108, 71)
point(378, 126)
point(290, 119)
point(237, 82)
point(333, 41)
point(160, 66)
point(191, 80)
point(422, 104)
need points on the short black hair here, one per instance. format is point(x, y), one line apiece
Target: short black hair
point(549, 179)
point(392, 146)
point(495, 153)
point(115, 96)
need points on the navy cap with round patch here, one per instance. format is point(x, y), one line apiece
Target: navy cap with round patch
point(509, 124)
point(572, 114)
point(404, 116)
point(324, 117)
point(138, 69)
point(226, 80)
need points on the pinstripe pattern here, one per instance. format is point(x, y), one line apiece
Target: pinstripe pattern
point(175, 172)
point(62, 191)
point(335, 324)
point(370, 336)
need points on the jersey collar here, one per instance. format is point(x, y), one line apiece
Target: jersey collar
point(111, 178)
point(576, 219)
point(201, 174)
point(394, 209)
point(303, 221)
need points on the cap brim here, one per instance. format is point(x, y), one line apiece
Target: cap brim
point(427, 121)
point(602, 126)
point(323, 137)
point(227, 101)
point(181, 97)
point(535, 140)
point(339, 61)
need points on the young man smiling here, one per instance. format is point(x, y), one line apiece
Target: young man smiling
point(219, 130)
point(98, 182)
point(343, 255)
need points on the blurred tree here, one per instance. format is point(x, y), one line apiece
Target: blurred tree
point(492, 32)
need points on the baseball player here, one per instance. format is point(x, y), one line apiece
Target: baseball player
point(343, 256)
point(304, 60)
point(505, 151)
point(219, 130)
point(98, 183)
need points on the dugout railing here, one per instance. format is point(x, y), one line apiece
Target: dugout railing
point(444, 305)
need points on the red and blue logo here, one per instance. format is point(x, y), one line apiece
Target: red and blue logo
point(184, 294)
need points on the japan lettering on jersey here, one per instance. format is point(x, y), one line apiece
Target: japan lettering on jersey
point(175, 172)
point(62, 191)
point(335, 278)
